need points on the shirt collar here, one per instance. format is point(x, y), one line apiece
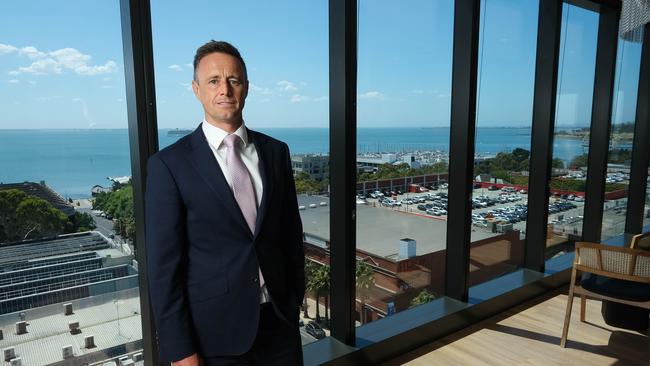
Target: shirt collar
point(215, 135)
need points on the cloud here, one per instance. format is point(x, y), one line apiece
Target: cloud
point(31, 52)
point(189, 66)
point(40, 67)
point(297, 98)
point(55, 62)
point(286, 85)
point(187, 86)
point(175, 67)
point(13, 81)
point(6, 49)
point(259, 90)
point(372, 95)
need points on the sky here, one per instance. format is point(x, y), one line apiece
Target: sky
point(61, 63)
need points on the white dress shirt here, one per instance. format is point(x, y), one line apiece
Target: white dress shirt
point(248, 154)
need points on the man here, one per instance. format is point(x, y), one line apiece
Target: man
point(224, 237)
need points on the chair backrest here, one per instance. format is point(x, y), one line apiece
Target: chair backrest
point(641, 241)
point(616, 262)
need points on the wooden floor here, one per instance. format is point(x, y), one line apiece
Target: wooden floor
point(530, 335)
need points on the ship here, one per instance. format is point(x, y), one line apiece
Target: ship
point(178, 132)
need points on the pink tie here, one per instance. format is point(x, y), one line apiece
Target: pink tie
point(242, 185)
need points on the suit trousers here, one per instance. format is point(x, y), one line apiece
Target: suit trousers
point(276, 343)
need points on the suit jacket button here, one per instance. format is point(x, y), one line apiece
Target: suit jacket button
point(255, 280)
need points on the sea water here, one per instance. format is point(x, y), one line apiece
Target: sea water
point(73, 161)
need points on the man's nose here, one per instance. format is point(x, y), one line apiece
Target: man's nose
point(224, 88)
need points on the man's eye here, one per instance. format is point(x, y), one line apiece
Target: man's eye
point(235, 82)
point(213, 81)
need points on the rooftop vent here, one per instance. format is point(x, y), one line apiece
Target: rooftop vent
point(138, 357)
point(9, 353)
point(407, 248)
point(16, 361)
point(74, 327)
point(67, 351)
point(21, 327)
point(67, 308)
point(125, 361)
point(89, 341)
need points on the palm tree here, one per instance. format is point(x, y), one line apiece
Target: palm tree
point(322, 286)
point(422, 298)
point(318, 282)
point(310, 267)
point(364, 279)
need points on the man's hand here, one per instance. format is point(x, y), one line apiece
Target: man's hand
point(193, 360)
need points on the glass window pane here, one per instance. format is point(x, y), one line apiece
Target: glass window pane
point(66, 230)
point(578, 41)
point(285, 47)
point(626, 85)
point(404, 86)
point(506, 78)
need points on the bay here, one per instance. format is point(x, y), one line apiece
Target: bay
point(73, 161)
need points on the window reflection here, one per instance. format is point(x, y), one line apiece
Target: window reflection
point(578, 41)
point(68, 274)
point(404, 86)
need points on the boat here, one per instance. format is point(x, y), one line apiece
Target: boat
point(178, 132)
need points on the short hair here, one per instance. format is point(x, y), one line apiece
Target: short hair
point(221, 47)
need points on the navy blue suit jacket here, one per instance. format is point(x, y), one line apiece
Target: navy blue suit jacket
point(202, 258)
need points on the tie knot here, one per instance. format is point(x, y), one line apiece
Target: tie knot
point(231, 140)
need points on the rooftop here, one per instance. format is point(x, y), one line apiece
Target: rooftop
point(379, 229)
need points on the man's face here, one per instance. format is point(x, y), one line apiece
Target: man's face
point(221, 87)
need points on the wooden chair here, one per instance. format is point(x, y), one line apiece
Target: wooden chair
point(641, 241)
point(616, 274)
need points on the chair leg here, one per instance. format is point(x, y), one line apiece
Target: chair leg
point(583, 306)
point(567, 319)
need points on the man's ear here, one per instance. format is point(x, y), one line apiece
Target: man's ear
point(195, 89)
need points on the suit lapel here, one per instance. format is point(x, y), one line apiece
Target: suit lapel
point(265, 156)
point(203, 160)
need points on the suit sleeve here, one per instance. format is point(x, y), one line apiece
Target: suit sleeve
point(293, 224)
point(167, 261)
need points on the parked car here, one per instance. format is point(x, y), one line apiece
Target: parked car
point(312, 328)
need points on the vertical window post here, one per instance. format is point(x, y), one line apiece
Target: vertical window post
point(343, 163)
point(143, 139)
point(461, 146)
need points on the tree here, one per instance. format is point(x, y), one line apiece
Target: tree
point(304, 183)
point(119, 204)
point(579, 161)
point(36, 218)
point(558, 163)
point(310, 267)
point(364, 278)
point(83, 222)
point(318, 284)
point(520, 154)
point(422, 298)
